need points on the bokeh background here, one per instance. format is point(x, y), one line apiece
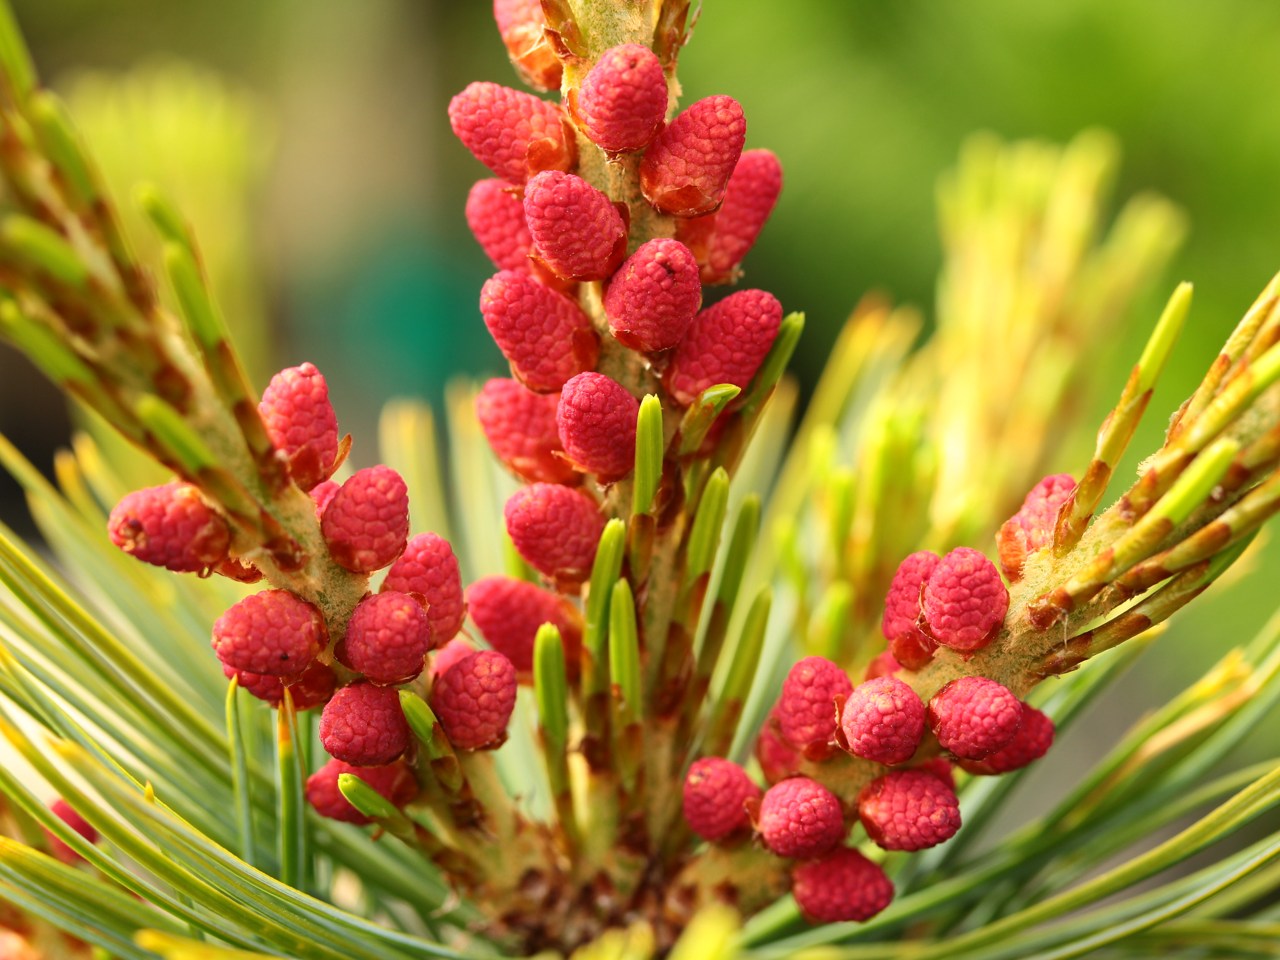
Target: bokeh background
point(347, 244)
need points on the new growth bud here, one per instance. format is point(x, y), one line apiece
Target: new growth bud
point(623, 99)
point(300, 421)
point(429, 568)
point(273, 632)
point(366, 524)
point(687, 167)
point(654, 296)
point(555, 528)
point(543, 334)
point(514, 134)
point(596, 419)
point(170, 526)
point(473, 700)
point(726, 343)
point(715, 794)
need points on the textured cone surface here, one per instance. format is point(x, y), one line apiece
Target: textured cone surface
point(623, 98)
point(1030, 743)
point(388, 637)
point(806, 708)
point(429, 568)
point(394, 782)
point(366, 524)
point(522, 23)
point(1031, 528)
point(725, 343)
point(520, 426)
point(496, 218)
point(909, 810)
point(964, 600)
point(364, 725)
point(311, 688)
point(473, 699)
point(169, 526)
point(508, 612)
point(715, 791)
point(543, 334)
point(800, 817)
point(596, 419)
point(840, 886)
point(273, 632)
point(654, 296)
point(514, 134)
point(973, 717)
point(575, 228)
point(778, 759)
point(908, 644)
point(748, 200)
point(687, 167)
point(301, 423)
point(883, 721)
point(555, 528)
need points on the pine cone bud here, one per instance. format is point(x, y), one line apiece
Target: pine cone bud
point(840, 886)
point(170, 526)
point(577, 231)
point(973, 717)
point(687, 167)
point(883, 721)
point(800, 817)
point(364, 725)
point(909, 810)
point(429, 568)
point(395, 782)
point(388, 636)
point(273, 632)
point(732, 230)
point(654, 296)
point(908, 644)
point(514, 134)
point(556, 529)
point(623, 99)
point(964, 600)
point(309, 689)
point(522, 25)
point(545, 335)
point(715, 793)
point(508, 612)
point(495, 215)
point(474, 698)
point(725, 343)
point(1030, 743)
point(520, 426)
point(1031, 528)
point(366, 524)
point(807, 706)
point(596, 419)
point(778, 759)
point(300, 421)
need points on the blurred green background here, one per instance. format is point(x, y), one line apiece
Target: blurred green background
point(356, 219)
